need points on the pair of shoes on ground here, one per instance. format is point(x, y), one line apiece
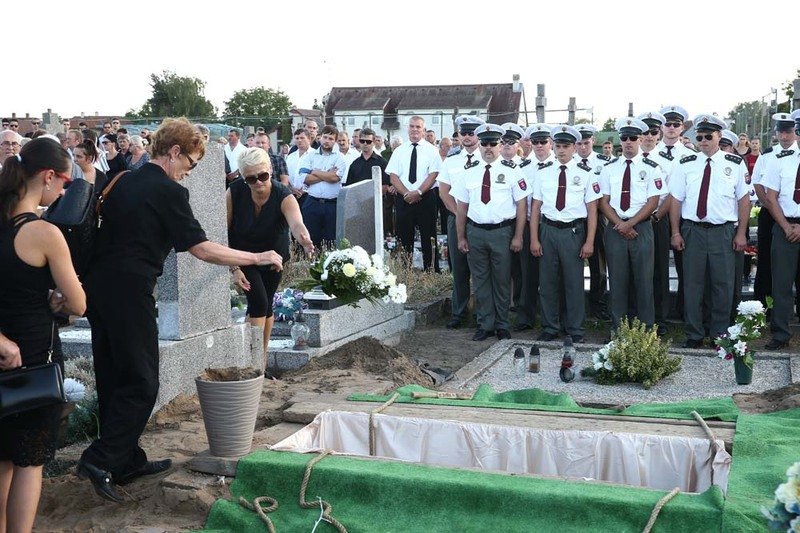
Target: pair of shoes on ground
point(775, 344)
point(522, 327)
point(454, 323)
point(693, 343)
point(103, 481)
point(546, 336)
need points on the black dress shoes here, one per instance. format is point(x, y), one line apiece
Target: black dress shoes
point(693, 343)
point(148, 469)
point(101, 480)
point(454, 323)
point(522, 327)
point(775, 344)
point(545, 336)
point(481, 335)
point(503, 334)
point(662, 330)
point(577, 338)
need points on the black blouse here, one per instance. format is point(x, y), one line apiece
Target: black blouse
point(267, 231)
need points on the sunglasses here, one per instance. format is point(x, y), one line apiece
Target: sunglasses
point(673, 124)
point(625, 138)
point(365, 141)
point(651, 132)
point(508, 142)
point(192, 162)
point(489, 143)
point(540, 142)
point(261, 176)
point(15, 126)
point(707, 137)
point(467, 134)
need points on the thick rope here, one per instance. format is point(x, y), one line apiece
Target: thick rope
point(711, 437)
point(326, 514)
point(657, 509)
point(372, 414)
point(261, 511)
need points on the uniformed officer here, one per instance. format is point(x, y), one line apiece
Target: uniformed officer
point(631, 185)
point(709, 195)
point(787, 142)
point(542, 155)
point(509, 143)
point(490, 221)
point(671, 148)
point(597, 262)
point(782, 181)
point(451, 169)
point(655, 122)
point(565, 195)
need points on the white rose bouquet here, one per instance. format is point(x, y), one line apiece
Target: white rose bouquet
point(785, 513)
point(750, 320)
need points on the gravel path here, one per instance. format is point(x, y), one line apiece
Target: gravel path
point(701, 376)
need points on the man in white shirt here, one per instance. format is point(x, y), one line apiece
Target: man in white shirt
point(413, 169)
point(349, 153)
point(323, 176)
point(233, 150)
point(297, 160)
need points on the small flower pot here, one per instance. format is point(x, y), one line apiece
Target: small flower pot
point(744, 373)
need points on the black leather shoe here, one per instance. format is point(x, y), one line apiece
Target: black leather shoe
point(577, 338)
point(693, 343)
point(101, 480)
point(522, 327)
point(454, 323)
point(481, 335)
point(503, 334)
point(661, 330)
point(148, 469)
point(545, 336)
point(775, 344)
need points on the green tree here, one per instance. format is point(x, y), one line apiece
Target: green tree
point(749, 117)
point(258, 106)
point(788, 90)
point(608, 125)
point(176, 96)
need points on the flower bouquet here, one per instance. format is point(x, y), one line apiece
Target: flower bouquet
point(351, 274)
point(750, 320)
point(286, 303)
point(785, 513)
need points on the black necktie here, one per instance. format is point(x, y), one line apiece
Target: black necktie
point(585, 161)
point(469, 158)
point(669, 151)
point(412, 168)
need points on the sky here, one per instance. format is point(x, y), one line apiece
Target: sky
point(705, 56)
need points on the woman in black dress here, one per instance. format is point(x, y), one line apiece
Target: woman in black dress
point(34, 258)
point(261, 212)
point(145, 215)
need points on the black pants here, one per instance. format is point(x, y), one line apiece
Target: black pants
point(762, 287)
point(122, 314)
point(420, 215)
point(263, 284)
point(598, 277)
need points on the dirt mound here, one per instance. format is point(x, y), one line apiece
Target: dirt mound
point(231, 373)
point(370, 356)
point(769, 401)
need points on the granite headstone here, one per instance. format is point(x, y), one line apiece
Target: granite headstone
point(355, 215)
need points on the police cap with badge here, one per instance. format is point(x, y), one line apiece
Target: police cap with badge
point(539, 131)
point(513, 132)
point(468, 123)
point(728, 138)
point(488, 133)
point(674, 112)
point(653, 119)
point(783, 122)
point(587, 131)
point(707, 122)
point(564, 134)
point(630, 127)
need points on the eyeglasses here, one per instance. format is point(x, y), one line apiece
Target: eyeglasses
point(651, 132)
point(489, 143)
point(365, 141)
point(540, 142)
point(192, 162)
point(508, 142)
point(673, 124)
point(625, 138)
point(707, 137)
point(261, 176)
point(8, 144)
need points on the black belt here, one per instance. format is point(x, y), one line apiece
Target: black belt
point(503, 224)
point(708, 224)
point(323, 200)
point(564, 225)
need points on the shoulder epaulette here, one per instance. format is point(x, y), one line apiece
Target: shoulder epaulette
point(650, 162)
point(587, 168)
point(695, 150)
point(612, 161)
point(604, 157)
point(784, 153)
point(508, 163)
point(470, 165)
point(735, 158)
point(687, 158)
point(768, 150)
point(458, 151)
point(665, 155)
point(524, 163)
point(545, 165)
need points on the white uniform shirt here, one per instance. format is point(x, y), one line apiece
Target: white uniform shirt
point(507, 186)
point(294, 162)
point(647, 180)
point(764, 160)
point(595, 161)
point(453, 165)
point(351, 155)
point(428, 162)
point(666, 164)
point(531, 167)
point(781, 176)
point(678, 150)
point(233, 155)
point(325, 161)
point(582, 188)
point(726, 188)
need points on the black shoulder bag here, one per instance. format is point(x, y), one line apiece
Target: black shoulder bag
point(74, 214)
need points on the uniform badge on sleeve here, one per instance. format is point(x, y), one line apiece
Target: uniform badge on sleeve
point(522, 185)
point(501, 179)
point(596, 187)
point(642, 175)
point(658, 183)
point(728, 171)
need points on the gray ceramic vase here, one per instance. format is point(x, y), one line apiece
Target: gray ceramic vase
point(229, 410)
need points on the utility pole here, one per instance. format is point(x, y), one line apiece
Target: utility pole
point(541, 103)
point(571, 111)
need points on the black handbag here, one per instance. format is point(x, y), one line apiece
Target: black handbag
point(74, 214)
point(27, 388)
